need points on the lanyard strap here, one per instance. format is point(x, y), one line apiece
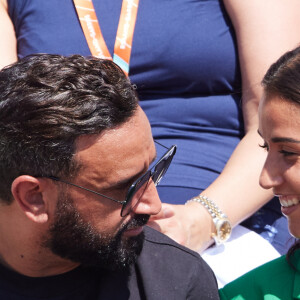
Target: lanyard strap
point(92, 32)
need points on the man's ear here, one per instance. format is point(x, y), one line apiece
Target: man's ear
point(28, 192)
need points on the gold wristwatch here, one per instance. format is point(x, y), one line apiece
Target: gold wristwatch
point(223, 226)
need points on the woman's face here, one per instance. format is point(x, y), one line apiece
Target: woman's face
point(279, 126)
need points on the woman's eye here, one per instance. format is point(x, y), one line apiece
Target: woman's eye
point(264, 146)
point(286, 153)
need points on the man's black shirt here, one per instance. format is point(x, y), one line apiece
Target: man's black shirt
point(164, 270)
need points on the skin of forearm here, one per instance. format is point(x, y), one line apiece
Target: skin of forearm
point(8, 48)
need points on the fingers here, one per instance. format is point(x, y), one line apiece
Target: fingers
point(167, 211)
point(168, 223)
point(154, 225)
point(172, 228)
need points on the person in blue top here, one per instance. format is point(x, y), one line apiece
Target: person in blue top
point(279, 126)
point(197, 66)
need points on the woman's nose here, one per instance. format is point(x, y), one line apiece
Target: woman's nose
point(270, 176)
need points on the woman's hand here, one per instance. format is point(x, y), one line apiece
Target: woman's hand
point(189, 225)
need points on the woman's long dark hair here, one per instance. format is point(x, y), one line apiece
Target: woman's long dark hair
point(292, 250)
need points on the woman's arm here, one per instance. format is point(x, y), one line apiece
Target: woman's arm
point(8, 48)
point(265, 30)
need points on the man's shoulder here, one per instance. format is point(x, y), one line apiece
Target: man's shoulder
point(156, 240)
point(160, 248)
point(173, 271)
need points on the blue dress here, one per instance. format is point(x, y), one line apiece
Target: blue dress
point(184, 63)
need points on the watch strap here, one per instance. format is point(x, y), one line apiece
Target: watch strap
point(219, 218)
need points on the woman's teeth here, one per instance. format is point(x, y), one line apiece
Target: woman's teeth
point(288, 203)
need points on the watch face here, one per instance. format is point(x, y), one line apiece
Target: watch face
point(223, 230)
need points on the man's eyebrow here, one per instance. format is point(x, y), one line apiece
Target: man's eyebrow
point(127, 181)
point(282, 139)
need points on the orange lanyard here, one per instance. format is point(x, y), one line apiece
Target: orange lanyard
point(91, 29)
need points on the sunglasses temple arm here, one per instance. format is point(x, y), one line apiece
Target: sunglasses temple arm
point(83, 188)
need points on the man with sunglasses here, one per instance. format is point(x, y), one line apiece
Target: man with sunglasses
point(77, 188)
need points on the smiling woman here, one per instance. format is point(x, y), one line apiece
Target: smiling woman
point(279, 126)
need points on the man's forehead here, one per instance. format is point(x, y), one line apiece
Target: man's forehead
point(135, 129)
point(117, 153)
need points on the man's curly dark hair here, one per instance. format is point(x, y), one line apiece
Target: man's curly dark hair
point(46, 102)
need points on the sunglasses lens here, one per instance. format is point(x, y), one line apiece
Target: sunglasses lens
point(136, 194)
point(161, 169)
point(137, 190)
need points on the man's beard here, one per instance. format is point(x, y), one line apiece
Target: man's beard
point(71, 237)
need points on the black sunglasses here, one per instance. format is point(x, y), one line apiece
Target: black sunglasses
point(138, 188)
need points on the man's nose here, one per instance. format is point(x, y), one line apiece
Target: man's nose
point(149, 202)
